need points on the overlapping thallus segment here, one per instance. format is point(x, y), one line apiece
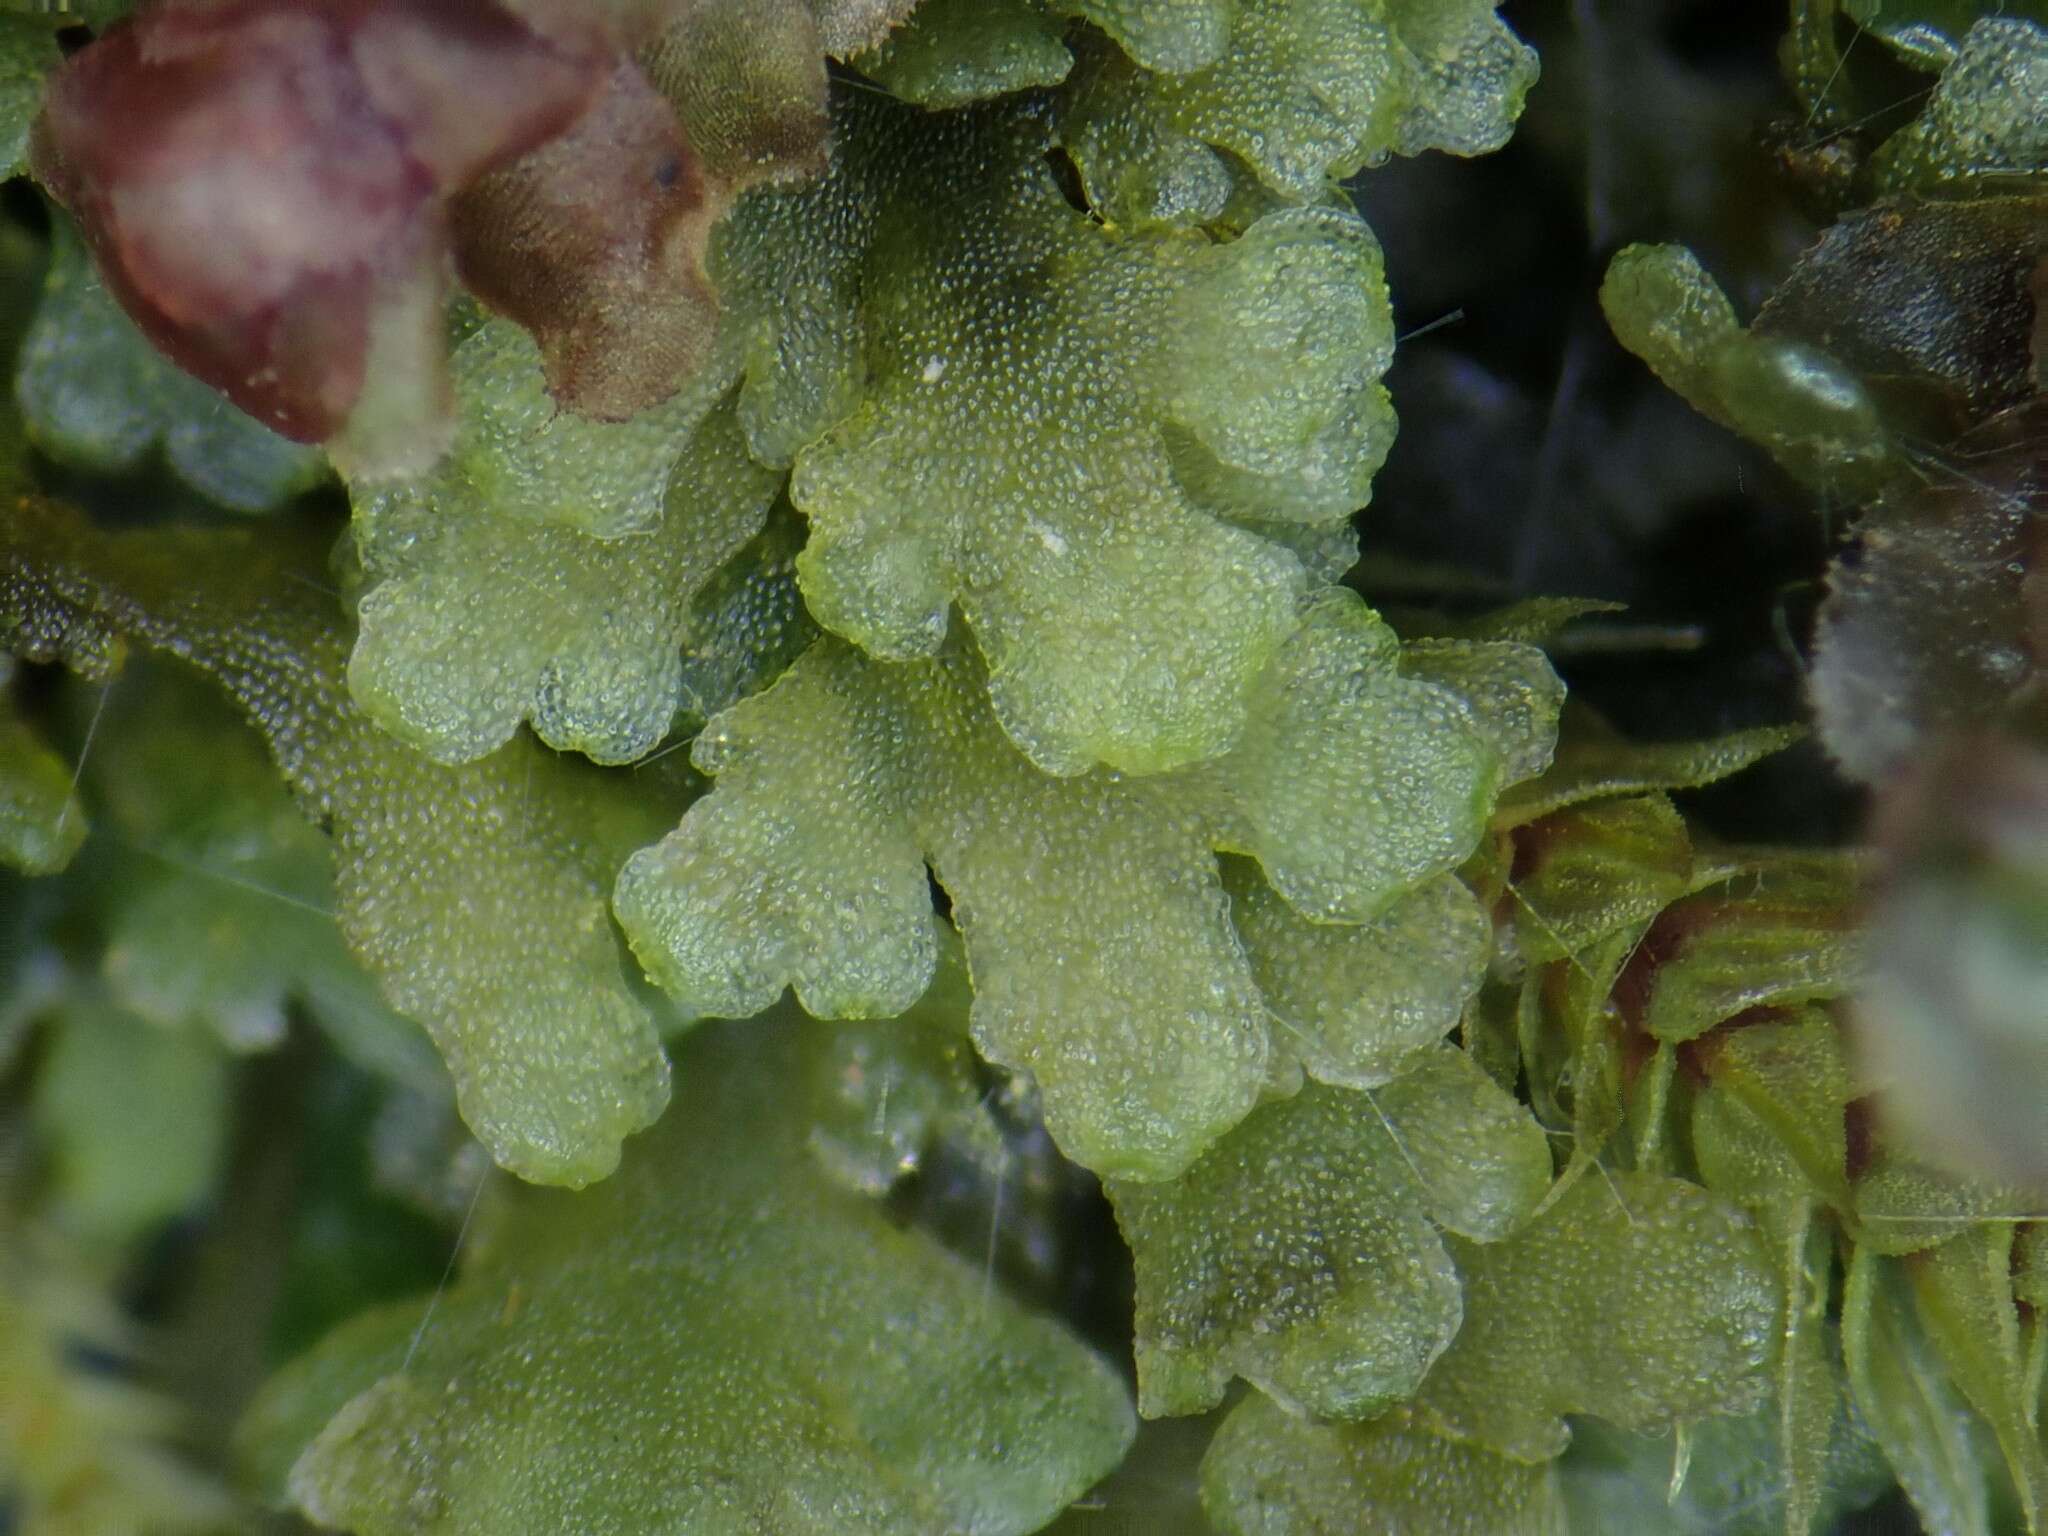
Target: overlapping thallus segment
point(955, 447)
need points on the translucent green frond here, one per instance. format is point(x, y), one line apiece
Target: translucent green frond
point(1303, 1252)
point(1362, 759)
point(485, 610)
point(1357, 1006)
point(520, 459)
point(1642, 1299)
point(1052, 425)
point(951, 52)
point(475, 895)
point(1304, 91)
point(1098, 933)
point(1270, 1473)
point(736, 1340)
point(1170, 35)
point(1928, 33)
point(1983, 126)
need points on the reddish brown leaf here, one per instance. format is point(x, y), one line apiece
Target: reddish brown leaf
point(257, 177)
point(595, 243)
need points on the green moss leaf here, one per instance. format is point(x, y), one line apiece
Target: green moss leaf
point(1303, 1251)
point(480, 615)
point(1569, 1035)
point(474, 895)
point(1964, 1292)
point(1304, 91)
point(1743, 1141)
point(1791, 1080)
point(1810, 1398)
point(1053, 425)
point(1593, 761)
point(1907, 1396)
point(1102, 952)
point(1904, 1205)
point(742, 1341)
point(1533, 620)
point(1778, 931)
point(1593, 870)
point(1639, 1298)
point(1270, 1473)
point(94, 393)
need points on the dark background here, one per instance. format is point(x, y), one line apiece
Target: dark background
point(1536, 457)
